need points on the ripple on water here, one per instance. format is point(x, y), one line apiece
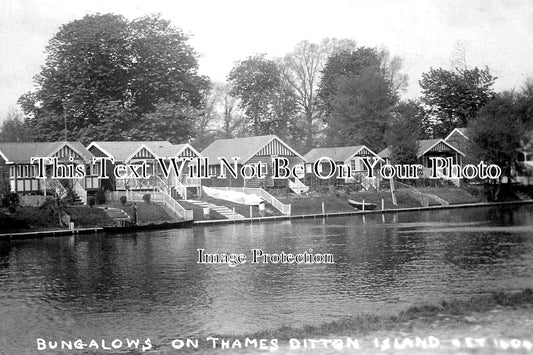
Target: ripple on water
point(149, 284)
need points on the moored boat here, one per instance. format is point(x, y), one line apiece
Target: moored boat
point(364, 206)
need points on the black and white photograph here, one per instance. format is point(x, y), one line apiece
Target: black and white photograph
point(266, 177)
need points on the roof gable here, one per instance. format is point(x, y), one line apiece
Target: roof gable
point(243, 148)
point(339, 154)
point(424, 146)
point(22, 153)
point(463, 132)
point(123, 151)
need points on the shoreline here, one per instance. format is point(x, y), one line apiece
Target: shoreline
point(490, 323)
point(188, 224)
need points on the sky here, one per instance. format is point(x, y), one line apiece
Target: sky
point(424, 33)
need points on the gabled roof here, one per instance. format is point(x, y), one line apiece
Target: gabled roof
point(122, 151)
point(461, 131)
point(163, 151)
point(424, 146)
point(427, 144)
point(21, 153)
point(243, 148)
point(337, 154)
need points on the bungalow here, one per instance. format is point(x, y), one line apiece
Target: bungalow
point(429, 148)
point(249, 150)
point(459, 138)
point(21, 176)
point(342, 156)
point(147, 152)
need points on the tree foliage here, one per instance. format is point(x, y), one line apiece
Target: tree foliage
point(13, 128)
point(497, 131)
point(404, 132)
point(357, 94)
point(109, 78)
point(301, 70)
point(455, 97)
point(269, 104)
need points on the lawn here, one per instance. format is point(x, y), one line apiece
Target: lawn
point(450, 194)
point(313, 205)
point(146, 212)
point(32, 219)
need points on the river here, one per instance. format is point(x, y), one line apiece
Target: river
point(149, 284)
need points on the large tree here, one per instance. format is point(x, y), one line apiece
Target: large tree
point(269, 104)
point(497, 131)
point(404, 131)
point(357, 94)
point(455, 97)
point(13, 128)
point(301, 70)
point(109, 78)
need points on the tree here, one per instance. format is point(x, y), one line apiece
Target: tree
point(232, 117)
point(360, 110)
point(404, 132)
point(497, 132)
point(525, 104)
point(266, 101)
point(301, 70)
point(455, 97)
point(357, 94)
point(104, 76)
point(13, 128)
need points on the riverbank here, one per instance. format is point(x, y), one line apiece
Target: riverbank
point(498, 323)
point(167, 225)
point(353, 212)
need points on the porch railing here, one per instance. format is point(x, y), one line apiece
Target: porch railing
point(277, 204)
point(159, 196)
point(79, 190)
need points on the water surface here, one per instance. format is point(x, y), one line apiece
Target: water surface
point(149, 284)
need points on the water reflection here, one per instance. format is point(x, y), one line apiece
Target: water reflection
point(150, 285)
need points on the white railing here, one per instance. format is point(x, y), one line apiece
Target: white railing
point(80, 191)
point(160, 196)
point(58, 188)
point(193, 181)
point(170, 202)
point(182, 189)
point(277, 204)
point(297, 186)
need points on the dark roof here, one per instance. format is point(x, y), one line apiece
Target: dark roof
point(423, 146)
point(462, 131)
point(22, 153)
point(173, 150)
point(337, 154)
point(121, 151)
point(243, 148)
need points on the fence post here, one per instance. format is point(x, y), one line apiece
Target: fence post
point(250, 211)
point(323, 209)
point(363, 205)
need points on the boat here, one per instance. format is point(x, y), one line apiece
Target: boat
point(364, 206)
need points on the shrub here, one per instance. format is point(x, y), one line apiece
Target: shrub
point(123, 200)
point(68, 199)
point(100, 196)
point(91, 202)
point(146, 198)
point(11, 200)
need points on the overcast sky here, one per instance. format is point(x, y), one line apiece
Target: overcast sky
point(497, 34)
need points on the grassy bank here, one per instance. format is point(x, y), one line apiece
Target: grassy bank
point(457, 310)
point(313, 205)
point(146, 212)
point(31, 219)
point(302, 205)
